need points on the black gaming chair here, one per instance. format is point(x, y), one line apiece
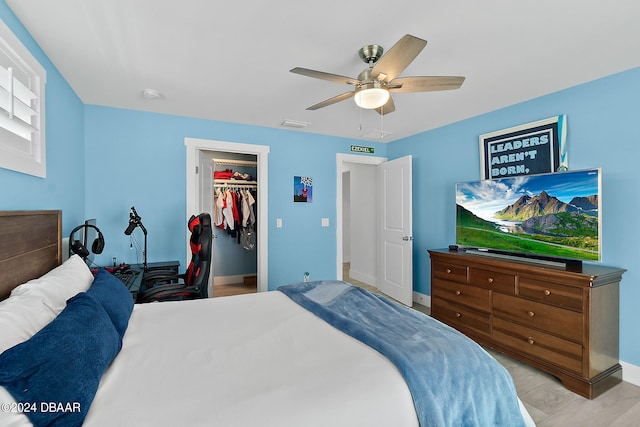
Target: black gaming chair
point(162, 285)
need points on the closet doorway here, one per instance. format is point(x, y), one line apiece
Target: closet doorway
point(204, 157)
point(235, 188)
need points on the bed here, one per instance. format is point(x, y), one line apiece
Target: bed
point(79, 352)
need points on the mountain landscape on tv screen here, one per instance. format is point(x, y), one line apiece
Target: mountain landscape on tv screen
point(535, 224)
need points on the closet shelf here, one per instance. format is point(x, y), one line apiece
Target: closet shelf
point(230, 162)
point(232, 182)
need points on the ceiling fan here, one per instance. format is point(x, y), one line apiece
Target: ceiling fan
point(374, 84)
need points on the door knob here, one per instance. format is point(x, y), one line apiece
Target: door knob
point(407, 238)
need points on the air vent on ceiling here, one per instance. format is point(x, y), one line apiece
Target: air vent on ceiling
point(294, 124)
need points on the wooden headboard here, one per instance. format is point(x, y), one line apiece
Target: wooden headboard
point(30, 245)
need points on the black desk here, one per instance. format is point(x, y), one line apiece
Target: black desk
point(137, 272)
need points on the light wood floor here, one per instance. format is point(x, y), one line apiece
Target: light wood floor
point(552, 405)
point(233, 289)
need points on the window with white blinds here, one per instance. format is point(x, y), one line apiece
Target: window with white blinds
point(22, 82)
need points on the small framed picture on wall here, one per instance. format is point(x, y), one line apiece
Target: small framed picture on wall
point(302, 189)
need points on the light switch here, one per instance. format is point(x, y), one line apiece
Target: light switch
point(325, 222)
point(278, 222)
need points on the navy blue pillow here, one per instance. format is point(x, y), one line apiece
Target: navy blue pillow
point(114, 297)
point(62, 364)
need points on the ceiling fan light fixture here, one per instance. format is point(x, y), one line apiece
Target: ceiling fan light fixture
point(371, 96)
point(372, 87)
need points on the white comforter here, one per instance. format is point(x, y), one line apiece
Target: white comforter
point(252, 360)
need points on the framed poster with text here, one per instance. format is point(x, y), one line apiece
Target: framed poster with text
point(529, 149)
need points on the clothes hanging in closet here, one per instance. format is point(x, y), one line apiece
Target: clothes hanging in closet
point(227, 211)
point(234, 211)
point(234, 204)
point(218, 206)
point(247, 237)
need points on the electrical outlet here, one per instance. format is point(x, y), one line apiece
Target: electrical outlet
point(422, 299)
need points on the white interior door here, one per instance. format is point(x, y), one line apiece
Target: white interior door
point(205, 183)
point(205, 200)
point(396, 240)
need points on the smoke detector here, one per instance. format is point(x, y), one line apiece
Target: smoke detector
point(151, 94)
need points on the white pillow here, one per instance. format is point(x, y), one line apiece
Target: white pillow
point(21, 316)
point(32, 306)
point(58, 285)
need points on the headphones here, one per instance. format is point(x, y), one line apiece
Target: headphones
point(76, 246)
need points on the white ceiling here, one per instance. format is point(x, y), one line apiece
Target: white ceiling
point(230, 60)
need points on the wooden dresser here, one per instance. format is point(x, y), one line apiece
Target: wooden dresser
point(563, 322)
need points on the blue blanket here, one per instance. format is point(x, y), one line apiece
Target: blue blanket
point(453, 381)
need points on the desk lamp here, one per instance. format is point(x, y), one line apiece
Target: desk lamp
point(136, 221)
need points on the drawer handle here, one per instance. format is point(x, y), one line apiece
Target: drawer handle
point(547, 292)
point(490, 280)
point(458, 293)
point(530, 340)
point(458, 315)
point(531, 313)
point(449, 271)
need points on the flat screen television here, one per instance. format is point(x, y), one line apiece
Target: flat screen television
point(554, 216)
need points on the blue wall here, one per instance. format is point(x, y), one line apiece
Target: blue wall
point(601, 119)
point(101, 161)
point(139, 159)
point(64, 186)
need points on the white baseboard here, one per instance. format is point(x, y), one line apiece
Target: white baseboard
point(362, 277)
point(630, 373)
point(422, 299)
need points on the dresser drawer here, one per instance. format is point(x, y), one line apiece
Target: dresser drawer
point(558, 321)
point(551, 293)
point(500, 282)
point(538, 344)
point(453, 272)
point(563, 321)
point(458, 293)
point(462, 318)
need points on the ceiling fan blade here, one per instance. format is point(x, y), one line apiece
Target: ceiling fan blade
point(333, 100)
point(335, 78)
point(398, 57)
point(387, 108)
point(425, 84)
